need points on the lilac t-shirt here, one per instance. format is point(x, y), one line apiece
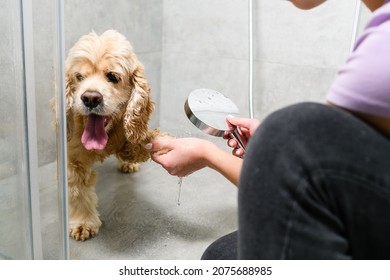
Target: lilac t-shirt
point(363, 83)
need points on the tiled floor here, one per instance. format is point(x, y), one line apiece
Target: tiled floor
point(141, 217)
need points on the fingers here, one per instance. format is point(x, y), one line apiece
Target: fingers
point(238, 152)
point(159, 144)
point(159, 158)
point(242, 122)
point(232, 143)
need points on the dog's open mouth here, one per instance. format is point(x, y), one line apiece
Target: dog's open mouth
point(94, 135)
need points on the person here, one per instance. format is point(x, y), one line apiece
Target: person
point(315, 180)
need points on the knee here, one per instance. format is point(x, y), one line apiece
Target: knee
point(299, 116)
point(292, 135)
point(224, 248)
point(302, 122)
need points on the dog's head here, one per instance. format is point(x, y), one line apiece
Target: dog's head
point(105, 82)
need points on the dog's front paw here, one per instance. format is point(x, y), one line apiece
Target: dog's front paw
point(127, 167)
point(83, 232)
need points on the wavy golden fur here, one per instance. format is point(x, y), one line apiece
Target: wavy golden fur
point(108, 107)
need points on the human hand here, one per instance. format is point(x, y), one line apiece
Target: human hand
point(247, 128)
point(179, 156)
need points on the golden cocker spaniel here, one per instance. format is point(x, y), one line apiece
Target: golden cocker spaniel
point(108, 106)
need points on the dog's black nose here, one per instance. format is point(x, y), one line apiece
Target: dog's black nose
point(91, 99)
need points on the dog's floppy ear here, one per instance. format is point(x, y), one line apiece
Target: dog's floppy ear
point(139, 107)
point(69, 104)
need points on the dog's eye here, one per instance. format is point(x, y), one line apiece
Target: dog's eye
point(111, 77)
point(79, 77)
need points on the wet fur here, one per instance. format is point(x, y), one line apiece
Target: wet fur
point(129, 106)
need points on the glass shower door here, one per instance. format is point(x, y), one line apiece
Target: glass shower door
point(32, 154)
point(19, 194)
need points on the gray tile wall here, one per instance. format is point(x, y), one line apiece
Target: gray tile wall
point(205, 45)
point(298, 52)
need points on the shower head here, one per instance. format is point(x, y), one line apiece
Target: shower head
point(207, 109)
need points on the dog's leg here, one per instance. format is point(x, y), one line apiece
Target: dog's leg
point(133, 153)
point(127, 166)
point(84, 220)
point(130, 156)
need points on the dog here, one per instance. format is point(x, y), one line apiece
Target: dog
point(108, 107)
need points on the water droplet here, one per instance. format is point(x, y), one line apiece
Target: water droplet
point(179, 192)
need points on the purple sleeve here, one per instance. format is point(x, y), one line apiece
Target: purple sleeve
point(363, 83)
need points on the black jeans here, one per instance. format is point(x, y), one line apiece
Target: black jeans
point(315, 184)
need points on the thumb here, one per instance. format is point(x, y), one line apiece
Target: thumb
point(241, 122)
point(157, 145)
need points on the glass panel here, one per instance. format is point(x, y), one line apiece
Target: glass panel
point(31, 198)
point(14, 198)
point(51, 156)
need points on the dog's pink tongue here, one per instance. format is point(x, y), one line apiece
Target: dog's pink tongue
point(94, 136)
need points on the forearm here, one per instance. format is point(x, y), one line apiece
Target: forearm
point(226, 164)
